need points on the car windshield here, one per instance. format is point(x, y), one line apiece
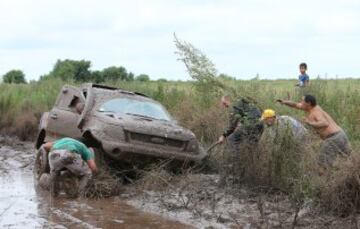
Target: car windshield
point(126, 106)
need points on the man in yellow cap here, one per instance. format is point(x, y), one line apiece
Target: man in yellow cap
point(282, 122)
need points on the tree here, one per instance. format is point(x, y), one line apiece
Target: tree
point(226, 77)
point(162, 80)
point(114, 73)
point(97, 76)
point(202, 70)
point(208, 83)
point(14, 76)
point(79, 71)
point(142, 77)
point(131, 76)
point(66, 70)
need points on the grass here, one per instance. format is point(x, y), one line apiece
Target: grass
point(338, 97)
point(281, 164)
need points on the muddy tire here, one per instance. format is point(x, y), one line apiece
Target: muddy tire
point(41, 163)
point(99, 158)
point(70, 184)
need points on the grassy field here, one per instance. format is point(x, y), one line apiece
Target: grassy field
point(198, 108)
point(338, 97)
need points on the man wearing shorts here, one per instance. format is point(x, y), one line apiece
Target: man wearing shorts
point(335, 141)
point(73, 155)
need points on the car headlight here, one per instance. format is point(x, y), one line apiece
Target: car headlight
point(193, 146)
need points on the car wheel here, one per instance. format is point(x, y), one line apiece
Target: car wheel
point(99, 158)
point(40, 139)
point(70, 184)
point(41, 163)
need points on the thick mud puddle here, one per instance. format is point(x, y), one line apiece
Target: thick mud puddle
point(22, 205)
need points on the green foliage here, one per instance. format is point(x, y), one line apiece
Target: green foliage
point(162, 80)
point(142, 78)
point(116, 73)
point(199, 67)
point(131, 76)
point(225, 77)
point(79, 71)
point(14, 76)
point(70, 70)
point(202, 70)
point(97, 77)
point(278, 162)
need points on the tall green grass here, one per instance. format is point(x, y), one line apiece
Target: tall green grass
point(21, 107)
point(338, 97)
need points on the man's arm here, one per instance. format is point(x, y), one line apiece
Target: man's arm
point(233, 121)
point(92, 165)
point(47, 146)
point(91, 161)
point(290, 103)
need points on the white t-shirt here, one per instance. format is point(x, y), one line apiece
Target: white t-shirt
point(285, 121)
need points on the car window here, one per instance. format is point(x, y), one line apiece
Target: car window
point(69, 98)
point(126, 106)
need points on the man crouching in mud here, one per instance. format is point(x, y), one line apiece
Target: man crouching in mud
point(70, 154)
point(244, 128)
point(335, 140)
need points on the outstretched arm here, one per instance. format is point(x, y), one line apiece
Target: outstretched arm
point(290, 103)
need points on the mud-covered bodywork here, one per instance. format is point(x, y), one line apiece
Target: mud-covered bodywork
point(123, 123)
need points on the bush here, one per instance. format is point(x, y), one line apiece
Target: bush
point(14, 76)
point(340, 189)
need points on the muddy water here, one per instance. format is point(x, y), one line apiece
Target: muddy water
point(22, 205)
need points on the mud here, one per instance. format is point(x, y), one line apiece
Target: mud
point(22, 205)
point(198, 200)
point(190, 201)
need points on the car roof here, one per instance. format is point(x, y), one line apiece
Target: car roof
point(99, 86)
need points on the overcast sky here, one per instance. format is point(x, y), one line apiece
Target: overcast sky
point(242, 37)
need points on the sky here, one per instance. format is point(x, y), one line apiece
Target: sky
point(243, 38)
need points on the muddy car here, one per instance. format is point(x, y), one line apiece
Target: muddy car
point(125, 125)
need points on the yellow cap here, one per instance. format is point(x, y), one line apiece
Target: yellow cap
point(268, 113)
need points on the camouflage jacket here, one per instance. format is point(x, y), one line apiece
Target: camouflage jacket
point(244, 113)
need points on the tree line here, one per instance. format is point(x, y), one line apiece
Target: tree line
point(78, 71)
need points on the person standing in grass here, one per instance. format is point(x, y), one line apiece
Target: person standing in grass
point(244, 122)
point(335, 142)
point(304, 79)
point(242, 133)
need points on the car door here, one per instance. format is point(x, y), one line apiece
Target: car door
point(64, 116)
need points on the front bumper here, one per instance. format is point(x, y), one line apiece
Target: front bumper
point(119, 150)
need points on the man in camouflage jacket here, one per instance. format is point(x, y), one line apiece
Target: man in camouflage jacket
point(244, 123)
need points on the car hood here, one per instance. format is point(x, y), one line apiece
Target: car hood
point(160, 128)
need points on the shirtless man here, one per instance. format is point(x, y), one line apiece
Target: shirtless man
point(335, 140)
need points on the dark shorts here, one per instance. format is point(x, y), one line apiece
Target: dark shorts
point(62, 159)
point(336, 144)
point(247, 135)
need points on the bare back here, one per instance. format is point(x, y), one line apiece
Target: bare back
point(318, 114)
